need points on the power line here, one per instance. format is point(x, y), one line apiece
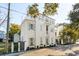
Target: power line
point(10, 10)
point(13, 10)
point(3, 21)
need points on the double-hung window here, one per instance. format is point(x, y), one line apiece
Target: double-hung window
point(30, 26)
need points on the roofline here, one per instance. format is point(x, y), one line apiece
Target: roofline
point(34, 18)
point(47, 16)
point(26, 20)
point(1, 31)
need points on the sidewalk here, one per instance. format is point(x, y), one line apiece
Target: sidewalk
point(13, 54)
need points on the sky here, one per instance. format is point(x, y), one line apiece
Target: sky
point(17, 18)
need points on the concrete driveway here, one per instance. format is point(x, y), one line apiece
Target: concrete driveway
point(60, 50)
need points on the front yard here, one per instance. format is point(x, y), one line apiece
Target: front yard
point(2, 45)
point(60, 50)
point(2, 48)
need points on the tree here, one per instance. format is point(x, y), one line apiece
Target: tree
point(74, 16)
point(33, 10)
point(50, 8)
point(14, 28)
point(72, 29)
point(70, 32)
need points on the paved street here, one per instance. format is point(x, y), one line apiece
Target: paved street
point(60, 50)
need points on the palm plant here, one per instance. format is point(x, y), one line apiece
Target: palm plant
point(33, 10)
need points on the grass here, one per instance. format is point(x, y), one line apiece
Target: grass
point(2, 45)
point(2, 48)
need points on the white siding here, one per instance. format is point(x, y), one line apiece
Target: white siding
point(38, 32)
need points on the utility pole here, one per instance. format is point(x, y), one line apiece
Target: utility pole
point(7, 34)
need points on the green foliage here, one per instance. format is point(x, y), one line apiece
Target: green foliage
point(50, 8)
point(72, 29)
point(69, 31)
point(74, 16)
point(33, 10)
point(2, 45)
point(14, 28)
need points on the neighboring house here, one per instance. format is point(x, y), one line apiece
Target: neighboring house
point(77, 42)
point(38, 32)
point(58, 29)
point(2, 35)
point(17, 40)
point(16, 37)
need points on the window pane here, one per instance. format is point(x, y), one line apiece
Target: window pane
point(31, 41)
point(30, 26)
point(41, 42)
point(47, 41)
point(46, 28)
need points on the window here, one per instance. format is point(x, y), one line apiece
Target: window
point(55, 33)
point(31, 41)
point(51, 30)
point(30, 26)
point(52, 40)
point(47, 29)
point(41, 42)
point(59, 33)
point(46, 20)
point(22, 38)
point(47, 41)
point(40, 27)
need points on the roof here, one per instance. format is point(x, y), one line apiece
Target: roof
point(61, 24)
point(31, 18)
point(1, 31)
point(47, 16)
point(27, 20)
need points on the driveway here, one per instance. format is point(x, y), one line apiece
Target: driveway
point(60, 50)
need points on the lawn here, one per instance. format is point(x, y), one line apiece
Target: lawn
point(2, 45)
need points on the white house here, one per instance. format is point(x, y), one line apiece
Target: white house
point(58, 29)
point(38, 32)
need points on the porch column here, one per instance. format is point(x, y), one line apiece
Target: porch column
point(12, 47)
point(18, 46)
